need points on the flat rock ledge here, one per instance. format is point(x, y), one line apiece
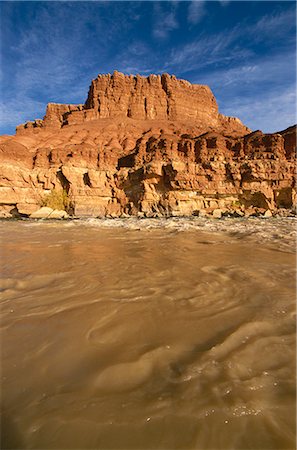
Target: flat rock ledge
point(49, 213)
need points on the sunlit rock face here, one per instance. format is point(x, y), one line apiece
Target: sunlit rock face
point(146, 146)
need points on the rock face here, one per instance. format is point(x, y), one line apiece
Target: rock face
point(146, 146)
point(156, 97)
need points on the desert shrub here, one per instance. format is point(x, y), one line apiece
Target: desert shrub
point(56, 200)
point(236, 204)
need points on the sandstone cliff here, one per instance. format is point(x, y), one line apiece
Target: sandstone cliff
point(153, 98)
point(146, 146)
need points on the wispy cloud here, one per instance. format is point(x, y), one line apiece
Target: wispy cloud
point(45, 57)
point(273, 26)
point(165, 19)
point(274, 111)
point(51, 51)
point(206, 51)
point(255, 92)
point(13, 115)
point(136, 59)
point(258, 72)
point(224, 47)
point(196, 11)
point(52, 63)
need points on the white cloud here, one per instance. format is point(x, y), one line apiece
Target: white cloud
point(224, 47)
point(256, 93)
point(274, 25)
point(56, 63)
point(196, 11)
point(271, 112)
point(165, 21)
point(259, 71)
point(20, 111)
point(206, 51)
point(46, 57)
point(45, 68)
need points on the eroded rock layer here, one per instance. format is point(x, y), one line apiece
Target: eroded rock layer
point(146, 146)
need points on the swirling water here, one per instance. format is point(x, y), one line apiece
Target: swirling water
point(148, 334)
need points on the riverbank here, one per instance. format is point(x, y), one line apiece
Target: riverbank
point(46, 212)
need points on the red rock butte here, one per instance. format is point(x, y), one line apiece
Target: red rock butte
point(146, 146)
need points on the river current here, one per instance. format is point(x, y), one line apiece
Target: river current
point(148, 334)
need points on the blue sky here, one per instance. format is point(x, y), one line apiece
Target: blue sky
point(245, 51)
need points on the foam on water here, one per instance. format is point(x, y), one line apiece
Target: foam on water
point(281, 231)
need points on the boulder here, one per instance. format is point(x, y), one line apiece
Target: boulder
point(49, 213)
point(217, 213)
point(267, 214)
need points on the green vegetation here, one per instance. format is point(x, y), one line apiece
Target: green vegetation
point(56, 200)
point(236, 204)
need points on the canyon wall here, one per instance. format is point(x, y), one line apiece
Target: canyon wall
point(157, 97)
point(146, 147)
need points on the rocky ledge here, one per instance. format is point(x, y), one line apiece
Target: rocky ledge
point(146, 147)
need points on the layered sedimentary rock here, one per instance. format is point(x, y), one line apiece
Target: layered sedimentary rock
point(146, 146)
point(157, 97)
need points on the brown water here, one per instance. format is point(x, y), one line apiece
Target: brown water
point(148, 334)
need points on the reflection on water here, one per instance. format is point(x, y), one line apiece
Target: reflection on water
point(176, 334)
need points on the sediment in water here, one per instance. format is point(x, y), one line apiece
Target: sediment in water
point(148, 334)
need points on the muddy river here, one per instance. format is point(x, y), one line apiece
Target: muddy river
point(148, 334)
